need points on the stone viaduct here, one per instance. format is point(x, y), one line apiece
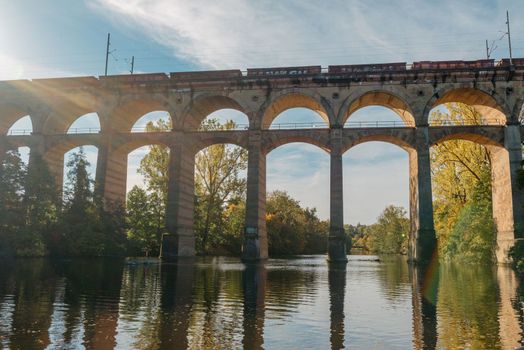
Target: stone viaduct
point(262, 94)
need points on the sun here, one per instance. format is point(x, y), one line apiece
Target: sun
point(10, 68)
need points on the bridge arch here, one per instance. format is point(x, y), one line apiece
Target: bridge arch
point(10, 114)
point(87, 123)
point(490, 105)
point(131, 109)
point(23, 126)
point(160, 120)
point(390, 139)
point(381, 98)
point(288, 99)
point(64, 113)
point(205, 142)
point(204, 105)
point(222, 119)
point(272, 143)
point(479, 137)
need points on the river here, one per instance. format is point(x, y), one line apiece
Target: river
point(220, 303)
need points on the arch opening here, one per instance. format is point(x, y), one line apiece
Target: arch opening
point(472, 199)
point(225, 119)
point(377, 99)
point(86, 124)
point(298, 118)
point(203, 106)
point(23, 126)
point(87, 154)
point(376, 117)
point(145, 182)
point(126, 115)
point(220, 184)
point(156, 121)
point(297, 111)
point(297, 199)
point(9, 115)
point(377, 197)
point(24, 153)
point(466, 106)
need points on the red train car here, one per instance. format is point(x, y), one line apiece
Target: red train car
point(453, 64)
point(206, 75)
point(358, 68)
point(283, 71)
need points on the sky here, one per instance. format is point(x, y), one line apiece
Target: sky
point(56, 38)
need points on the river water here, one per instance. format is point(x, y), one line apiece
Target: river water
point(220, 303)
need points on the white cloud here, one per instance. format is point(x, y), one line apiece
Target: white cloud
point(240, 33)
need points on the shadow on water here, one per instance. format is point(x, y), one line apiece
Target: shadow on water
point(337, 292)
point(254, 278)
point(425, 281)
point(176, 302)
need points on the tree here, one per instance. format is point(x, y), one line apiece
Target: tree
point(79, 218)
point(145, 227)
point(389, 235)
point(462, 189)
point(41, 206)
point(217, 180)
point(293, 229)
point(12, 177)
point(154, 166)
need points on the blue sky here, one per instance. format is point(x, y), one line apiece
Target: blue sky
point(51, 38)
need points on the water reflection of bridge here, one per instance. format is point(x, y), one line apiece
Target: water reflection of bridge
point(496, 92)
point(211, 304)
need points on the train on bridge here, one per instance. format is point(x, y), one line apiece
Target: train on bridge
point(334, 70)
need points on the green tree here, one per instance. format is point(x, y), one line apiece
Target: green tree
point(461, 176)
point(218, 180)
point(154, 166)
point(389, 235)
point(41, 206)
point(12, 176)
point(144, 222)
point(233, 227)
point(293, 229)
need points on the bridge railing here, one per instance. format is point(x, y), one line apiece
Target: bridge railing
point(19, 132)
point(471, 122)
point(83, 131)
point(293, 126)
point(286, 126)
point(378, 124)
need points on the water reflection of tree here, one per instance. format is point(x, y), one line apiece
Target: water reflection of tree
point(393, 273)
point(32, 282)
point(92, 295)
point(140, 305)
point(468, 308)
point(288, 287)
point(216, 318)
